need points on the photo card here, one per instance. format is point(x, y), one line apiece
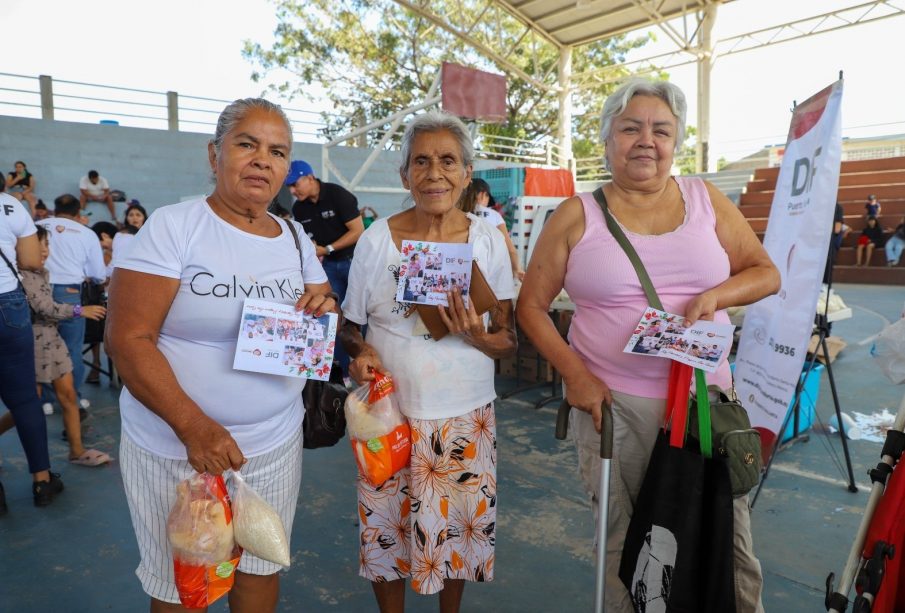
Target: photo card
point(666, 335)
point(276, 339)
point(428, 270)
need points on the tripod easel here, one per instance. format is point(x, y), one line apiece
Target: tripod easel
point(823, 328)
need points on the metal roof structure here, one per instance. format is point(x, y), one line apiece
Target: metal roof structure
point(575, 23)
point(568, 24)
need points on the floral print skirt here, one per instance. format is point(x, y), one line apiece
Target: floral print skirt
point(435, 520)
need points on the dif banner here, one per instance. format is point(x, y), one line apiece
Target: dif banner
point(777, 329)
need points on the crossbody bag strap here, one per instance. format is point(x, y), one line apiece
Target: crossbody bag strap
point(18, 277)
point(298, 245)
point(614, 228)
point(12, 269)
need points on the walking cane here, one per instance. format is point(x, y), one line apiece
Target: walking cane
point(606, 454)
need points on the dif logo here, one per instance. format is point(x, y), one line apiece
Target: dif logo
point(803, 177)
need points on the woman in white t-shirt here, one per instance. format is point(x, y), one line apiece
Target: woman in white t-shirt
point(20, 249)
point(476, 199)
point(175, 303)
point(435, 521)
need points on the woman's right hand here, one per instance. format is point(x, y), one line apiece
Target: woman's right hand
point(94, 311)
point(362, 368)
point(210, 447)
point(586, 393)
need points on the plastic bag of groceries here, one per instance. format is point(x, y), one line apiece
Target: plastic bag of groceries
point(258, 528)
point(379, 432)
point(200, 531)
point(889, 351)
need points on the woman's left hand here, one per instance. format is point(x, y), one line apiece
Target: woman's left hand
point(703, 306)
point(461, 320)
point(318, 304)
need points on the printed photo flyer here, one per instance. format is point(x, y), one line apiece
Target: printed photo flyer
point(274, 338)
point(665, 335)
point(428, 270)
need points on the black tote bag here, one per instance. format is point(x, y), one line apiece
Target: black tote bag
point(679, 546)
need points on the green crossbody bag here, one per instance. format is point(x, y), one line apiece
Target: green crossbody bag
point(732, 435)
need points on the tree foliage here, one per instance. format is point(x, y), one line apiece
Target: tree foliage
point(371, 58)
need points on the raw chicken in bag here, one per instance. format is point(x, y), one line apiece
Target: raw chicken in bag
point(379, 432)
point(200, 531)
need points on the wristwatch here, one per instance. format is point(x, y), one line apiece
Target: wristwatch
point(329, 249)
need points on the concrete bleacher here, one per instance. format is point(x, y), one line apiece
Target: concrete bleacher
point(731, 182)
point(884, 177)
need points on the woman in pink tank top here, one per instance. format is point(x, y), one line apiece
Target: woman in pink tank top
point(702, 257)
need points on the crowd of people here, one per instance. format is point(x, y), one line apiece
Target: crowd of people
point(52, 259)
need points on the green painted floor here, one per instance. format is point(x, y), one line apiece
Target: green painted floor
point(79, 554)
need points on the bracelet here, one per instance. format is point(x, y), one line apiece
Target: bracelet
point(77, 310)
point(333, 295)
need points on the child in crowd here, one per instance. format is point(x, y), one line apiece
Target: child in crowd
point(135, 217)
point(53, 363)
point(871, 237)
point(872, 207)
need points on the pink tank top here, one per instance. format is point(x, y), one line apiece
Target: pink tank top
point(609, 300)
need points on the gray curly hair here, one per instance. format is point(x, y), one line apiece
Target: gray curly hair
point(435, 121)
point(664, 90)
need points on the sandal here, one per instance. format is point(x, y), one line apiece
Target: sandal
point(91, 457)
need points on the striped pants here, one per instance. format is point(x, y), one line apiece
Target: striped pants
point(150, 483)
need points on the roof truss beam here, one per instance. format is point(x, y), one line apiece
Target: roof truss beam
point(802, 28)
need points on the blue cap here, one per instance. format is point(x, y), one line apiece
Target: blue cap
point(297, 170)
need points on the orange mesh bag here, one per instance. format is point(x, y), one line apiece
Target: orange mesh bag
point(200, 531)
point(378, 430)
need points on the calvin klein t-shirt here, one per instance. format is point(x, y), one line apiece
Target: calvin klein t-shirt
point(218, 267)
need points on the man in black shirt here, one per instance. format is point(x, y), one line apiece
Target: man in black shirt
point(329, 213)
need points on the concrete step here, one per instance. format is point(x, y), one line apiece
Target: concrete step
point(871, 275)
point(896, 163)
point(893, 209)
point(847, 256)
point(880, 177)
point(853, 193)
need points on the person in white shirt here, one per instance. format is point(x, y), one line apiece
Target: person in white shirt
point(95, 188)
point(445, 388)
point(75, 256)
point(19, 248)
point(135, 217)
point(476, 200)
point(175, 303)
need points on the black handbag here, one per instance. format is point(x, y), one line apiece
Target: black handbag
point(678, 549)
point(325, 418)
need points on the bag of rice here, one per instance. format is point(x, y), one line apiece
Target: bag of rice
point(259, 530)
point(378, 430)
